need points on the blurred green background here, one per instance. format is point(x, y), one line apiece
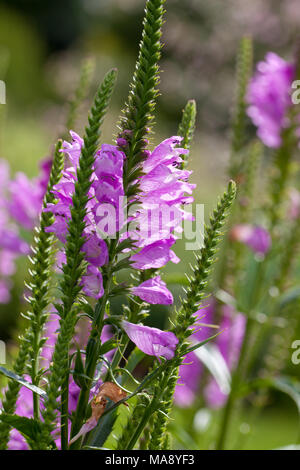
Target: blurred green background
point(42, 44)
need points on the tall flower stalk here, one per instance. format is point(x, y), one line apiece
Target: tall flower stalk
point(74, 267)
point(134, 128)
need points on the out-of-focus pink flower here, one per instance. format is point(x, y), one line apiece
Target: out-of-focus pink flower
point(294, 204)
point(5, 287)
point(154, 291)
point(25, 202)
point(254, 236)
point(190, 370)
point(269, 98)
point(229, 343)
point(11, 241)
point(151, 341)
point(43, 178)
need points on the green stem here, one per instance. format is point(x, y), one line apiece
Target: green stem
point(64, 413)
point(144, 421)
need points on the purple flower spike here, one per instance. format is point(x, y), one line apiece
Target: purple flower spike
point(92, 283)
point(154, 291)
point(156, 255)
point(151, 341)
point(256, 237)
point(269, 98)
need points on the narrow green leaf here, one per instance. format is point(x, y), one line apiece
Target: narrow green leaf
point(23, 382)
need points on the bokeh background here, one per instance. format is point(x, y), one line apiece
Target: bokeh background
point(42, 45)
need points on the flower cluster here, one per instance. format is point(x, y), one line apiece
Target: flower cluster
point(152, 225)
point(269, 98)
point(20, 205)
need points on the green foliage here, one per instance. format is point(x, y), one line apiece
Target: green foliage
point(132, 423)
point(186, 128)
point(28, 427)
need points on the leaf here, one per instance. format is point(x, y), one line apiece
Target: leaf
point(198, 345)
point(134, 359)
point(283, 384)
point(79, 372)
point(176, 279)
point(28, 427)
point(107, 346)
point(211, 357)
point(289, 387)
point(20, 380)
point(288, 297)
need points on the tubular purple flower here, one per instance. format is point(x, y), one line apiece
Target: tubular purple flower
point(269, 98)
point(163, 191)
point(151, 341)
point(154, 291)
point(96, 251)
point(156, 255)
point(92, 282)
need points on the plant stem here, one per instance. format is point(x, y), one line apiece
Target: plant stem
point(147, 415)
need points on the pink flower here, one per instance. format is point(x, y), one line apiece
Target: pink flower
point(96, 251)
point(163, 192)
point(156, 255)
point(5, 287)
point(256, 237)
point(294, 204)
point(92, 282)
point(154, 291)
point(26, 200)
point(269, 98)
point(151, 341)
